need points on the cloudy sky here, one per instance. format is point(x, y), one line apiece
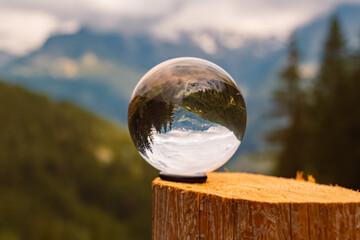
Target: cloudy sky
point(26, 24)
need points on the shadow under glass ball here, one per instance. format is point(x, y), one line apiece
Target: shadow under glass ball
point(187, 117)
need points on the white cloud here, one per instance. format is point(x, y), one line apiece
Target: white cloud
point(206, 42)
point(25, 24)
point(22, 30)
point(252, 18)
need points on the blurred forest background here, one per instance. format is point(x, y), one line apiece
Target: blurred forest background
point(68, 169)
point(321, 135)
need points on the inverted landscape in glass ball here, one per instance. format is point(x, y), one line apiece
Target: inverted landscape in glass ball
point(187, 117)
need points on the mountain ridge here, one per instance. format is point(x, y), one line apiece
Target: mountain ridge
point(64, 66)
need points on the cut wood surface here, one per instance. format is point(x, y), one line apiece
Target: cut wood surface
point(250, 206)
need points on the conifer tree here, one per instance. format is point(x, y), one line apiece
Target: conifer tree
point(289, 99)
point(336, 139)
point(323, 132)
point(330, 107)
point(350, 163)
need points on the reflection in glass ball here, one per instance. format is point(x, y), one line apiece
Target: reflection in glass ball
point(187, 117)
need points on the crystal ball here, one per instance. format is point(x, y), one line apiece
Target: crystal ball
point(187, 117)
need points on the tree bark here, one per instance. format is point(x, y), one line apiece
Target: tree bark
point(249, 206)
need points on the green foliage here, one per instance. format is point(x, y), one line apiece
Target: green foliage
point(290, 105)
point(67, 174)
point(226, 107)
point(336, 142)
point(323, 134)
point(154, 109)
point(146, 113)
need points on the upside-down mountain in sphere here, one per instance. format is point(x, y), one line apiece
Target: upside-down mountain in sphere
point(187, 116)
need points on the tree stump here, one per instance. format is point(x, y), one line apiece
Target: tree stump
point(250, 206)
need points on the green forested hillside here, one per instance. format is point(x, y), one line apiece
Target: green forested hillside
point(67, 174)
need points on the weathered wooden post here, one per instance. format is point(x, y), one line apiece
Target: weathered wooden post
point(249, 206)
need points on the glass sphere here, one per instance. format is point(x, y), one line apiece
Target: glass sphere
point(187, 117)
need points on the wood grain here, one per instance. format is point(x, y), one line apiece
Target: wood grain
point(249, 206)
